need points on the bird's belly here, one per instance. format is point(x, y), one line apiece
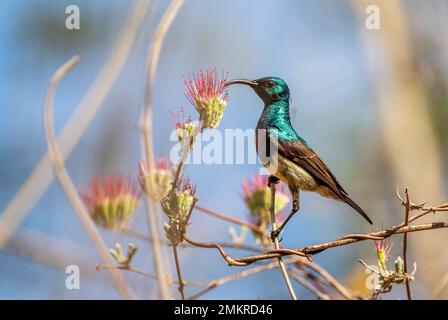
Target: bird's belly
point(291, 173)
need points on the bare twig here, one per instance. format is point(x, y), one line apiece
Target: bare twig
point(405, 245)
point(382, 234)
point(309, 250)
point(229, 245)
point(215, 283)
point(179, 273)
point(230, 219)
point(297, 277)
point(299, 262)
point(154, 50)
point(42, 174)
point(277, 245)
point(66, 182)
point(226, 257)
point(423, 210)
point(331, 281)
point(235, 262)
point(218, 282)
point(150, 276)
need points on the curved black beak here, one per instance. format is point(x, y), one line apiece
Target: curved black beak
point(251, 83)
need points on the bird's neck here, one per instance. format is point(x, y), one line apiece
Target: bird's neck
point(276, 114)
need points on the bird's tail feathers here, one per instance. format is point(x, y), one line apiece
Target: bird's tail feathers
point(353, 204)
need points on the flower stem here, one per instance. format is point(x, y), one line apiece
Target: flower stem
point(179, 274)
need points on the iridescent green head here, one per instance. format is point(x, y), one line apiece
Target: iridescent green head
point(269, 89)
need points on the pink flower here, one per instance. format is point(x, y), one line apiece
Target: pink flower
point(156, 180)
point(257, 196)
point(185, 128)
point(111, 201)
point(205, 86)
point(206, 92)
point(256, 183)
point(185, 186)
point(177, 206)
point(383, 248)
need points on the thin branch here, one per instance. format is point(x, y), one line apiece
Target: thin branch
point(151, 276)
point(309, 250)
point(230, 219)
point(207, 245)
point(380, 234)
point(154, 50)
point(277, 245)
point(295, 276)
point(179, 273)
point(158, 259)
point(228, 245)
point(405, 246)
point(215, 283)
point(425, 211)
point(365, 265)
point(42, 175)
point(330, 280)
point(218, 282)
point(66, 182)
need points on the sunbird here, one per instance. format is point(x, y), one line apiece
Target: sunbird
point(296, 162)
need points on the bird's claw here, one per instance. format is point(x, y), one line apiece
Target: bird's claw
point(273, 180)
point(275, 234)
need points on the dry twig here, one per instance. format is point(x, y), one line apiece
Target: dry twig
point(154, 50)
point(66, 182)
point(405, 244)
point(277, 245)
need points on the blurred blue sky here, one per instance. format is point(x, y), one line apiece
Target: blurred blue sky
point(313, 45)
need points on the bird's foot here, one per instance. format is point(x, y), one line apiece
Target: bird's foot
point(275, 234)
point(273, 179)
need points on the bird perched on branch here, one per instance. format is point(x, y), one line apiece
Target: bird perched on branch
point(292, 160)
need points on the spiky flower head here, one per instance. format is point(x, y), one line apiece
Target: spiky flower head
point(257, 197)
point(185, 128)
point(177, 206)
point(156, 180)
point(111, 201)
point(178, 203)
point(383, 248)
point(206, 92)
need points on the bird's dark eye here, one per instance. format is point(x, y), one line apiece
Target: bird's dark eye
point(270, 84)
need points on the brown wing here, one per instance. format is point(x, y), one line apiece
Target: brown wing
point(306, 158)
point(302, 155)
